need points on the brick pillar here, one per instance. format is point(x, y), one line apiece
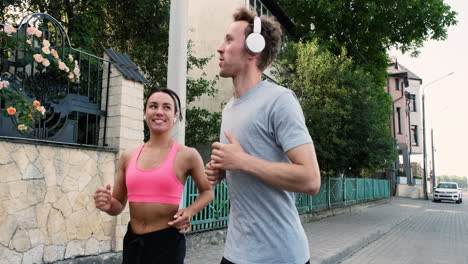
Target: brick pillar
point(125, 110)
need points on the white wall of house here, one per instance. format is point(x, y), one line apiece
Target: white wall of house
point(416, 116)
point(207, 28)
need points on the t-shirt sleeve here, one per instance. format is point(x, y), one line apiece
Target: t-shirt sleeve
point(288, 123)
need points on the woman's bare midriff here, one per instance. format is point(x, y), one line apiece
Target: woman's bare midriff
point(150, 217)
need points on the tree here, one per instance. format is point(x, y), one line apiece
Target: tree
point(346, 111)
point(202, 126)
point(368, 28)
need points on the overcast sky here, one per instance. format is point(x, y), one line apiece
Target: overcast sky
point(446, 99)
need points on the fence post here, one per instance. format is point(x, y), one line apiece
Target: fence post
point(329, 190)
point(344, 190)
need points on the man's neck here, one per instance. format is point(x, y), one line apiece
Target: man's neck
point(244, 83)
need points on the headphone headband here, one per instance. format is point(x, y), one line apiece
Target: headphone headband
point(255, 42)
point(257, 25)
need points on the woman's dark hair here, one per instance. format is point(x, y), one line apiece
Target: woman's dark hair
point(171, 93)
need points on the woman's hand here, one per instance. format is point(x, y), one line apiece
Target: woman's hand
point(182, 220)
point(103, 198)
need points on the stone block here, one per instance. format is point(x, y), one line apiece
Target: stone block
point(31, 172)
point(8, 226)
point(19, 157)
point(27, 218)
point(63, 205)
point(18, 189)
point(56, 227)
point(36, 191)
point(5, 156)
point(49, 173)
point(4, 191)
point(92, 247)
point(78, 157)
point(38, 236)
point(20, 241)
point(10, 172)
point(53, 193)
point(105, 246)
point(74, 248)
point(108, 227)
point(71, 228)
point(53, 253)
point(32, 153)
point(70, 184)
point(9, 256)
point(17, 204)
point(33, 255)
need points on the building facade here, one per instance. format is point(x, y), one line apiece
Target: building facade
point(406, 125)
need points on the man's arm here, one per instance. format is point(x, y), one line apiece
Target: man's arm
point(303, 175)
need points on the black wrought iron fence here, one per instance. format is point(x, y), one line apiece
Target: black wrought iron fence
point(72, 98)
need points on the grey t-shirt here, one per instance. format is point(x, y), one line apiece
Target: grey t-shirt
point(264, 225)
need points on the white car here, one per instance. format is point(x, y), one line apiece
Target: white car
point(447, 191)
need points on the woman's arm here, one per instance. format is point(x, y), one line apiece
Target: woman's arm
point(197, 171)
point(114, 204)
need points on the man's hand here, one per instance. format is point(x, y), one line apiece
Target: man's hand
point(102, 198)
point(215, 176)
point(227, 156)
point(182, 220)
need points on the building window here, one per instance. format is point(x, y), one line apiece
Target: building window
point(258, 6)
point(398, 111)
point(412, 103)
point(397, 84)
point(414, 136)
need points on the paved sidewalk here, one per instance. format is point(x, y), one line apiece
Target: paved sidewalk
point(334, 238)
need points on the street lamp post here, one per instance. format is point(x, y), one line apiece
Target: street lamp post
point(434, 182)
point(424, 135)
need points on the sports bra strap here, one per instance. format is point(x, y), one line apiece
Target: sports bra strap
point(172, 153)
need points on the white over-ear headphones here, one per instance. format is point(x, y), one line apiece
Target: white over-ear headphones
point(255, 42)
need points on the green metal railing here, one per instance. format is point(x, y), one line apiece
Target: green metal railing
point(334, 192)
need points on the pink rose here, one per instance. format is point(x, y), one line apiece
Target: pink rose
point(61, 65)
point(31, 31)
point(71, 76)
point(76, 71)
point(9, 29)
point(54, 53)
point(70, 57)
point(38, 58)
point(29, 41)
point(42, 110)
point(38, 33)
point(46, 63)
point(45, 50)
point(4, 84)
point(22, 127)
point(45, 43)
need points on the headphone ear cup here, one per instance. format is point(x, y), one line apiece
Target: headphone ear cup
point(255, 43)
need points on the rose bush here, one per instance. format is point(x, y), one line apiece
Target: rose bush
point(17, 105)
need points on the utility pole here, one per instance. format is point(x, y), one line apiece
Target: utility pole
point(424, 134)
point(434, 182)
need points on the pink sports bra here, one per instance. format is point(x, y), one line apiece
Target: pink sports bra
point(159, 185)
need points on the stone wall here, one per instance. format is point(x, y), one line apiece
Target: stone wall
point(47, 212)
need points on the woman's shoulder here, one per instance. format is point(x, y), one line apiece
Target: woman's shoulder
point(127, 154)
point(187, 152)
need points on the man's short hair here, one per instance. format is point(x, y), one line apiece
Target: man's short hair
point(271, 31)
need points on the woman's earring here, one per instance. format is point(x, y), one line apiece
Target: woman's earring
point(144, 117)
point(175, 119)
